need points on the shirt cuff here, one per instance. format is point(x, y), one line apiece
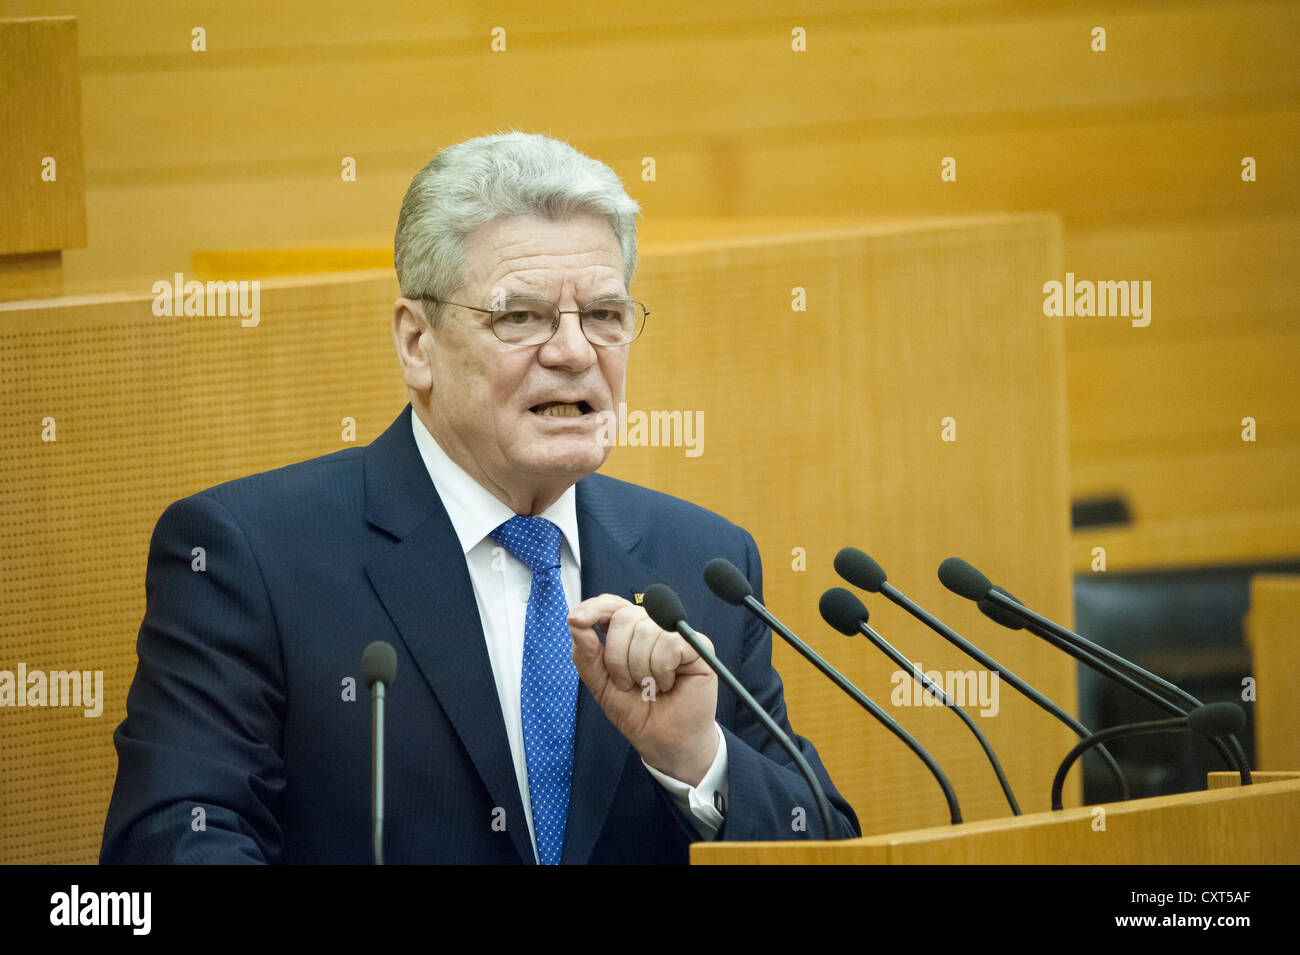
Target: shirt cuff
point(706, 803)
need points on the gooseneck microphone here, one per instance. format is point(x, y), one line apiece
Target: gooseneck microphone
point(378, 669)
point(725, 580)
point(860, 570)
point(666, 610)
point(999, 614)
point(847, 614)
point(1211, 721)
point(964, 580)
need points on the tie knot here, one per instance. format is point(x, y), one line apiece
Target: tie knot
point(533, 540)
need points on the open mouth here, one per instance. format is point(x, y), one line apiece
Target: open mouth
point(562, 409)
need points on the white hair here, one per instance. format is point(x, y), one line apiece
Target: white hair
point(467, 185)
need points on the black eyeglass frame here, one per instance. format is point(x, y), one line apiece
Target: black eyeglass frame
point(559, 315)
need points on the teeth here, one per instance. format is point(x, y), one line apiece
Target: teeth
point(562, 411)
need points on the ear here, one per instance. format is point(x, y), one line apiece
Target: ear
point(409, 332)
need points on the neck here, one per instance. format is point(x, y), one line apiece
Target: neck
point(528, 502)
point(526, 498)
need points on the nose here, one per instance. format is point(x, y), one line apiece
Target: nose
point(568, 347)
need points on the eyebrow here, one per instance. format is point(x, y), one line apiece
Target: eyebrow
point(516, 293)
point(538, 297)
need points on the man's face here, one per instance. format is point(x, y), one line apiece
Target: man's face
point(527, 420)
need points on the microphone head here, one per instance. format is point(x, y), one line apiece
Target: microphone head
point(726, 580)
point(963, 579)
point(859, 569)
point(1000, 614)
point(1216, 719)
point(843, 610)
point(378, 663)
point(664, 606)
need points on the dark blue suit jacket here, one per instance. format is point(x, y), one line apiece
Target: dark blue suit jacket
point(239, 745)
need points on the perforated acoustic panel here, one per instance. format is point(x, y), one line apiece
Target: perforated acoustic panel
point(821, 428)
point(143, 410)
point(825, 428)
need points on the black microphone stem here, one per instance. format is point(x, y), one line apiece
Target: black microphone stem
point(939, 627)
point(1176, 725)
point(733, 684)
point(888, 650)
point(954, 812)
point(1232, 753)
point(377, 773)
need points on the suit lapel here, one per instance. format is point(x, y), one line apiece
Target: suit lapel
point(600, 751)
point(424, 585)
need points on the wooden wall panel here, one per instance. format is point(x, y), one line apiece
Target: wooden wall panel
point(239, 145)
point(145, 410)
point(42, 204)
point(1273, 633)
point(823, 430)
point(1157, 412)
point(836, 441)
point(1137, 148)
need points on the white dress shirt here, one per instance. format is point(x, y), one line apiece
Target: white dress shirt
point(501, 587)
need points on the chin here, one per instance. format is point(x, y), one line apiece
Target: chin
point(570, 459)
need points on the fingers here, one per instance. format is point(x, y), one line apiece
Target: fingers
point(596, 611)
point(665, 657)
point(635, 646)
point(640, 651)
point(629, 643)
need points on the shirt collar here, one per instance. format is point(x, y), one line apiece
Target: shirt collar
point(475, 511)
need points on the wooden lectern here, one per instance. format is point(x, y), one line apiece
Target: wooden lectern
point(1228, 824)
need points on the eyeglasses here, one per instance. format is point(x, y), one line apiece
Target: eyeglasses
point(608, 323)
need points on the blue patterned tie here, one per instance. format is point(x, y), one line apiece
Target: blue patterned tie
point(548, 686)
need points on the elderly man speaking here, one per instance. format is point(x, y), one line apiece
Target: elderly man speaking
point(538, 715)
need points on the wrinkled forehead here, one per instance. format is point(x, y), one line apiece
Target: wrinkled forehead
point(544, 258)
